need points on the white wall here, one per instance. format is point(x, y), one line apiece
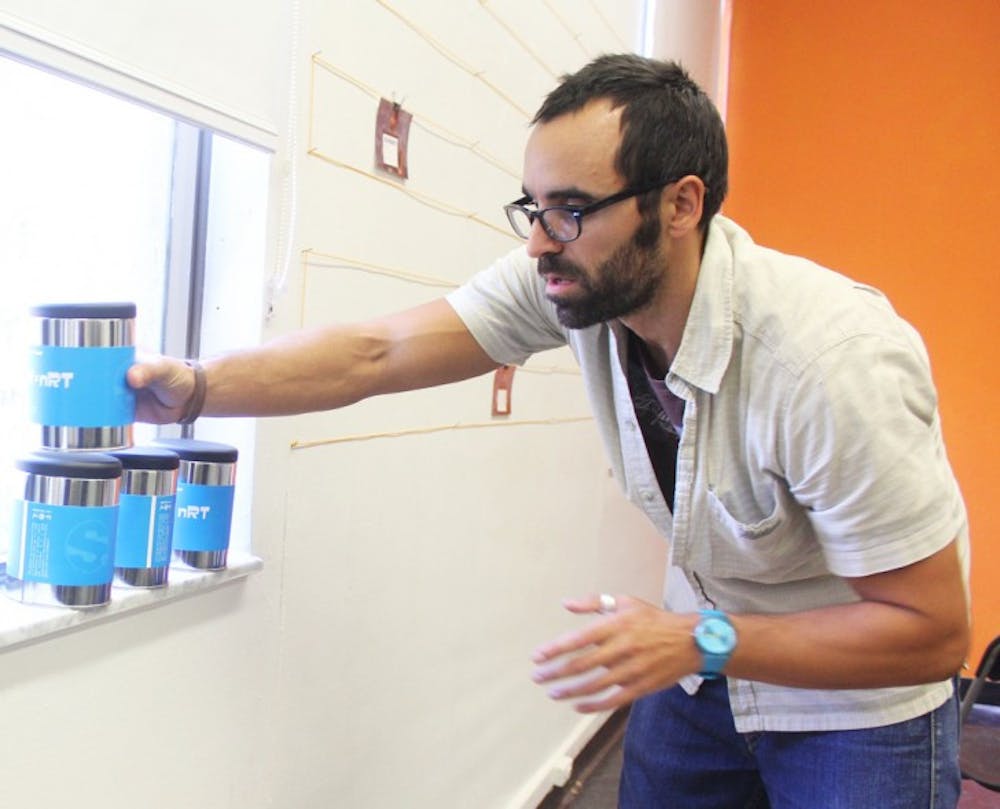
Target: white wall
point(381, 659)
point(442, 556)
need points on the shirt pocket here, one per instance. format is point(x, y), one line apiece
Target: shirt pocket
point(766, 538)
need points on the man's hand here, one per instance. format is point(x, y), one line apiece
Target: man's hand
point(621, 656)
point(163, 386)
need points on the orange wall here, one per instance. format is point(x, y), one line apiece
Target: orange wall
point(864, 134)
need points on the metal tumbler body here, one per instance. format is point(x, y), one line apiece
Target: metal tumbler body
point(146, 516)
point(206, 487)
point(79, 395)
point(63, 529)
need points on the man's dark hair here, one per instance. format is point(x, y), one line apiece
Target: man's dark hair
point(670, 127)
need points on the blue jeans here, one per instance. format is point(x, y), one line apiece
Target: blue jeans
point(683, 752)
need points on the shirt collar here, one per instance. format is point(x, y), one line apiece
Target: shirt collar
point(707, 342)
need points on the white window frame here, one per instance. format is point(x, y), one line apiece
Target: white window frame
point(189, 243)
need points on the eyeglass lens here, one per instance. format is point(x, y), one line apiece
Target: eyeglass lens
point(559, 224)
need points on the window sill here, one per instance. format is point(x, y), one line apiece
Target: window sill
point(21, 624)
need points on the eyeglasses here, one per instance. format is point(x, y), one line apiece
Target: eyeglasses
point(564, 223)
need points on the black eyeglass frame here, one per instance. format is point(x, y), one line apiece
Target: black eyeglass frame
point(577, 212)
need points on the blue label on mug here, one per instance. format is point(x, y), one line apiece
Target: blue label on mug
point(62, 545)
point(145, 529)
point(203, 517)
point(81, 387)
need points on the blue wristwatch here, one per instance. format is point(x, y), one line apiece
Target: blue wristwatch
point(715, 637)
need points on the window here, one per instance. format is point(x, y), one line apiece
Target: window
point(105, 199)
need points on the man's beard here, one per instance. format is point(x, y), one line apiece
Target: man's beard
point(624, 283)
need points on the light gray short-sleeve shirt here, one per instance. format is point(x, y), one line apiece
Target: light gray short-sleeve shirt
point(811, 447)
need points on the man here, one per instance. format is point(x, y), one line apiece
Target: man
point(774, 419)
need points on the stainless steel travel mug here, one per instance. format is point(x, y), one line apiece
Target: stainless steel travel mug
point(80, 355)
point(205, 491)
point(146, 515)
point(62, 538)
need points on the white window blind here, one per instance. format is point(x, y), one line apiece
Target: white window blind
point(221, 64)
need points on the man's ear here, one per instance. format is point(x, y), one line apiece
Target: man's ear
point(682, 205)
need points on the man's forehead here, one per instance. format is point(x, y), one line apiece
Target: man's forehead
point(576, 149)
point(597, 119)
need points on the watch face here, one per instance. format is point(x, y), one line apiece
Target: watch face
point(715, 636)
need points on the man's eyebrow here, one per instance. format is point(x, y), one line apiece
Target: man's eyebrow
point(571, 192)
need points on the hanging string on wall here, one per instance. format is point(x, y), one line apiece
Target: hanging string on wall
point(425, 199)
point(517, 38)
point(330, 261)
point(607, 24)
point(347, 439)
point(574, 35)
point(477, 74)
point(419, 120)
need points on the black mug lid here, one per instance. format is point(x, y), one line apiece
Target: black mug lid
point(147, 458)
point(101, 311)
point(89, 465)
point(190, 449)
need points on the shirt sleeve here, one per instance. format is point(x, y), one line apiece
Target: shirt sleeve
point(865, 454)
point(505, 309)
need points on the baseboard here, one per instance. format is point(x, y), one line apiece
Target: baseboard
point(557, 769)
point(588, 760)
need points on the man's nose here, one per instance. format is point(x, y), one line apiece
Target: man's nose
point(540, 243)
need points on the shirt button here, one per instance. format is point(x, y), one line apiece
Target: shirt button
point(648, 496)
point(630, 426)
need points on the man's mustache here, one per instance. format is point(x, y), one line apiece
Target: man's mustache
point(551, 263)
